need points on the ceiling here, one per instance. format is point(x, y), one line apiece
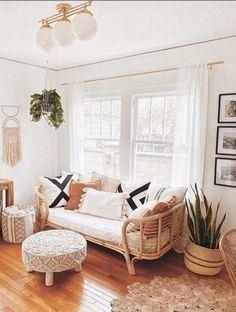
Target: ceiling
point(124, 28)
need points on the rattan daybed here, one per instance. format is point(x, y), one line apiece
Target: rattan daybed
point(162, 233)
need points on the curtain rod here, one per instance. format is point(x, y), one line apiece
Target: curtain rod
point(210, 65)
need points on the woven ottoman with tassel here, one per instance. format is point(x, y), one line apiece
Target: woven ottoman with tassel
point(17, 223)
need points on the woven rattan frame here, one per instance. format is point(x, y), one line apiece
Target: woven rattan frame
point(157, 225)
point(228, 251)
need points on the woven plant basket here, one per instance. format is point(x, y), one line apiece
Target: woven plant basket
point(201, 260)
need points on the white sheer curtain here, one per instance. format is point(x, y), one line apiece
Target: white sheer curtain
point(76, 112)
point(190, 127)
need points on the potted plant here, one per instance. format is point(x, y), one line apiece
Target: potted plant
point(202, 255)
point(48, 105)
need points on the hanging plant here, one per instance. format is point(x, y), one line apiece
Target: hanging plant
point(48, 105)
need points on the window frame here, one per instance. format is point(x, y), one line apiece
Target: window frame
point(100, 99)
point(135, 141)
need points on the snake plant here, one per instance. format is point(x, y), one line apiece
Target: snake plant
point(202, 221)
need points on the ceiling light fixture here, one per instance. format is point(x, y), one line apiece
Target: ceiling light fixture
point(64, 32)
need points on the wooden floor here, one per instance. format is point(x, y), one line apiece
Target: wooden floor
point(103, 277)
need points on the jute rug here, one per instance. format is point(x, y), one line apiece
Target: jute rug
point(184, 293)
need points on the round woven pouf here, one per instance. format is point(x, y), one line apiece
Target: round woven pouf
point(17, 223)
point(54, 251)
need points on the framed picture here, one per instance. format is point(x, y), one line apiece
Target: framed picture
point(227, 108)
point(226, 141)
point(225, 172)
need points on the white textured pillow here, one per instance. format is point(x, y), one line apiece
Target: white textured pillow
point(154, 191)
point(139, 213)
point(178, 192)
point(85, 178)
point(102, 204)
point(142, 210)
point(109, 184)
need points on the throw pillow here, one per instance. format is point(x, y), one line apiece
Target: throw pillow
point(135, 195)
point(109, 184)
point(76, 176)
point(76, 191)
point(56, 190)
point(140, 212)
point(178, 192)
point(102, 204)
point(85, 177)
point(152, 226)
point(154, 191)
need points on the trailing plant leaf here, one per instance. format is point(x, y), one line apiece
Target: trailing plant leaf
point(202, 222)
point(54, 115)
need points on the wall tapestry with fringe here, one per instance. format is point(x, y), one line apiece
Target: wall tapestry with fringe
point(11, 138)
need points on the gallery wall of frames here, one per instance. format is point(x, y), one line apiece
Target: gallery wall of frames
point(225, 161)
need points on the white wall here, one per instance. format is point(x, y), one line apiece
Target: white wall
point(39, 141)
point(222, 79)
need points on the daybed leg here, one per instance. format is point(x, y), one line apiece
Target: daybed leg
point(130, 265)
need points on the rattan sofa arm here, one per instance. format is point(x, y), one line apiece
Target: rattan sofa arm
point(140, 222)
point(42, 209)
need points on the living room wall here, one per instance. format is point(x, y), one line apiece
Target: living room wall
point(222, 79)
point(39, 141)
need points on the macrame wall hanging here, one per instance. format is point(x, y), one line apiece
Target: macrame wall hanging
point(11, 136)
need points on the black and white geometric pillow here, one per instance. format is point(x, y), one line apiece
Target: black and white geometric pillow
point(56, 190)
point(135, 195)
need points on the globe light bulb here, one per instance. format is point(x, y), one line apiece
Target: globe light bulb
point(84, 25)
point(62, 32)
point(44, 37)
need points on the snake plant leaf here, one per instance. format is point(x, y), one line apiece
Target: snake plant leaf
point(202, 231)
point(191, 228)
point(205, 201)
point(217, 233)
point(196, 224)
point(198, 212)
point(208, 219)
point(216, 216)
point(208, 238)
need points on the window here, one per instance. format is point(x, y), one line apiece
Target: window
point(144, 149)
point(102, 134)
point(153, 137)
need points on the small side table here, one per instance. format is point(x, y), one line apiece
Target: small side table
point(8, 186)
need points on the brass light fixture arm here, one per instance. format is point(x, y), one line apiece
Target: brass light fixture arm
point(65, 10)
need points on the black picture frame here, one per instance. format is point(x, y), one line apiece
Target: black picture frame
point(219, 128)
point(220, 120)
point(227, 181)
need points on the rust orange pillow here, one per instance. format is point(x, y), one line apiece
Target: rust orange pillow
point(76, 192)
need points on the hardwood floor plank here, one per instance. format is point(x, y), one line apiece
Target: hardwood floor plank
point(7, 309)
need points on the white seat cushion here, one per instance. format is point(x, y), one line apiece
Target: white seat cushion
point(103, 229)
point(100, 228)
